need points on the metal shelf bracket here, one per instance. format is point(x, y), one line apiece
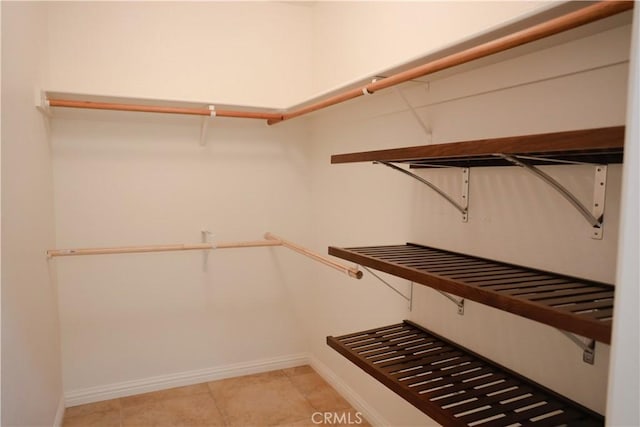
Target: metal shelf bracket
point(594, 216)
point(588, 348)
point(427, 131)
point(463, 207)
point(458, 302)
point(408, 298)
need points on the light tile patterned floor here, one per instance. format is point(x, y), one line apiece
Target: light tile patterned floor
point(289, 397)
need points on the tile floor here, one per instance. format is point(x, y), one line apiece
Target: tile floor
point(293, 397)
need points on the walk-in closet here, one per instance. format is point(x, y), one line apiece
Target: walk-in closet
point(301, 213)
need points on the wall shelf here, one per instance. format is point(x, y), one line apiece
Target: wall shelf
point(599, 147)
point(453, 385)
point(595, 146)
point(575, 305)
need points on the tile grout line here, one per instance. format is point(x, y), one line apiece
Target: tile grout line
point(349, 407)
point(215, 403)
point(304, 395)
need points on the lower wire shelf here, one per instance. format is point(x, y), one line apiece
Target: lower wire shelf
point(453, 385)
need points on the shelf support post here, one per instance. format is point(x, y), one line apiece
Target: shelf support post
point(465, 194)
point(595, 217)
point(462, 208)
point(599, 190)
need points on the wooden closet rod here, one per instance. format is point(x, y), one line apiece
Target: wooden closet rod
point(588, 14)
point(351, 271)
point(158, 248)
point(270, 240)
point(158, 109)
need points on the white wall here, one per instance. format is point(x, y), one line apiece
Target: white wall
point(130, 179)
point(355, 39)
point(273, 54)
point(253, 53)
point(624, 378)
point(513, 216)
point(0, 226)
point(31, 379)
point(123, 180)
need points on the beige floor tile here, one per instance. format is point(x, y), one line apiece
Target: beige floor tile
point(155, 396)
point(288, 397)
point(96, 419)
point(90, 408)
point(319, 393)
point(260, 400)
point(196, 410)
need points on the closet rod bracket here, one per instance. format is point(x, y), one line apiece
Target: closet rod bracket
point(206, 237)
point(463, 207)
point(42, 103)
point(593, 216)
point(204, 126)
point(588, 348)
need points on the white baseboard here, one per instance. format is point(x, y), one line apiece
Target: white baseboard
point(370, 414)
point(128, 388)
point(57, 422)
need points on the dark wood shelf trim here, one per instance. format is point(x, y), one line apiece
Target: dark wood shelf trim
point(534, 297)
point(604, 144)
point(453, 385)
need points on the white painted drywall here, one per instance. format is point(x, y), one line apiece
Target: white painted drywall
point(130, 179)
point(127, 179)
point(272, 54)
point(624, 378)
point(513, 216)
point(354, 39)
point(253, 53)
point(31, 377)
